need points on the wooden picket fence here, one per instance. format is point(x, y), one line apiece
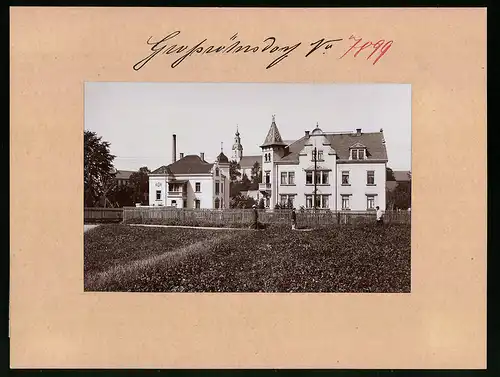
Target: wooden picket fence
point(235, 217)
point(102, 215)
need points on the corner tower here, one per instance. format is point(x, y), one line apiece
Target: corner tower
point(273, 150)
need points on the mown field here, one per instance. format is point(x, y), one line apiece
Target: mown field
point(347, 259)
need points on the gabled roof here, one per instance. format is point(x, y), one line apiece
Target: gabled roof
point(249, 161)
point(191, 164)
point(373, 141)
point(341, 143)
point(123, 174)
point(358, 145)
point(273, 136)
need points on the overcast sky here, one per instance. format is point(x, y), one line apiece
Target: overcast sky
point(138, 119)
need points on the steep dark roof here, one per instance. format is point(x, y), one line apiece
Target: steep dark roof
point(249, 161)
point(191, 164)
point(222, 158)
point(273, 136)
point(341, 143)
point(162, 170)
point(373, 141)
point(401, 175)
point(292, 151)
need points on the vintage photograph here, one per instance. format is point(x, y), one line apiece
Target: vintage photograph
point(247, 187)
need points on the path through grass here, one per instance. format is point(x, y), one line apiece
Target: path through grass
point(349, 259)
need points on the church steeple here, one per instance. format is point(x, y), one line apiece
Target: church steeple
point(237, 147)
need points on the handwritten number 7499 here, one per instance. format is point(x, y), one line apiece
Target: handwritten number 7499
point(378, 49)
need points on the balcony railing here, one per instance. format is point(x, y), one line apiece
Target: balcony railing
point(264, 186)
point(177, 193)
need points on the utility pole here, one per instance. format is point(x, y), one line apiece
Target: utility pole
point(314, 176)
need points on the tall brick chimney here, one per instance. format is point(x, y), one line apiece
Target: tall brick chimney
point(174, 148)
point(358, 131)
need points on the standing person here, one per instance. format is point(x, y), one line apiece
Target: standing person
point(380, 216)
point(255, 217)
point(294, 219)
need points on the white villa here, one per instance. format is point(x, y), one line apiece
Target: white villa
point(349, 170)
point(190, 182)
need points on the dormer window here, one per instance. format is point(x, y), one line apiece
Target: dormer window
point(216, 172)
point(358, 152)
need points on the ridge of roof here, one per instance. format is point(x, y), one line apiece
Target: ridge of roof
point(190, 164)
point(341, 143)
point(124, 174)
point(250, 160)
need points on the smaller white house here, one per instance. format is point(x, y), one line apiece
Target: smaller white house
point(191, 182)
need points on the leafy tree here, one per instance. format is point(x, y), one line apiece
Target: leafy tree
point(235, 188)
point(256, 173)
point(98, 175)
point(234, 171)
point(245, 182)
point(108, 189)
point(139, 181)
point(402, 195)
point(122, 196)
point(389, 175)
point(389, 199)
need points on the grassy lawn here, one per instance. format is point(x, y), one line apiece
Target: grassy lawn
point(348, 259)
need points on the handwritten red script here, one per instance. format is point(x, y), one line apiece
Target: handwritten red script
point(374, 51)
point(379, 48)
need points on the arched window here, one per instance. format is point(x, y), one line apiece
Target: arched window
point(217, 203)
point(217, 172)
